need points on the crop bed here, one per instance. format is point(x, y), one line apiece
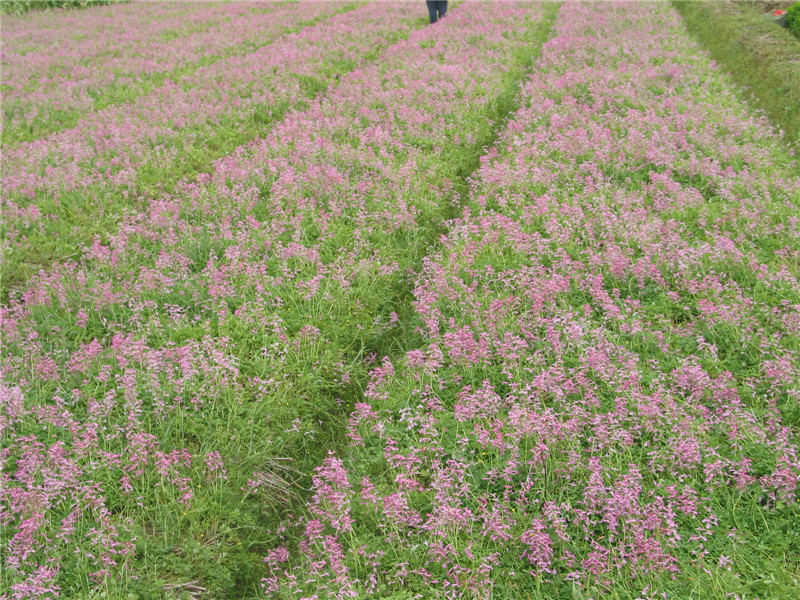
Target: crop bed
point(329, 303)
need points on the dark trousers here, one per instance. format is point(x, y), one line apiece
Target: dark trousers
point(436, 10)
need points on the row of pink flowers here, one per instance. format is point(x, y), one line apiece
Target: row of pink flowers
point(107, 147)
point(58, 30)
point(72, 69)
point(610, 357)
point(302, 247)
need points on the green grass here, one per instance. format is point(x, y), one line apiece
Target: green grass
point(17, 7)
point(761, 58)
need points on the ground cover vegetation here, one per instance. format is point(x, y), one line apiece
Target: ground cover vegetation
point(122, 54)
point(504, 307)
point(285, 268)
point(606, 405)
point(760, 57)
point(793, 19)
point(114, 159)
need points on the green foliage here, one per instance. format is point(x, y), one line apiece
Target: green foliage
point(22, 6)
point(793, 19)
point(759, 57)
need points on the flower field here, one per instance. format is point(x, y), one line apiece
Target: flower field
point(313, 300)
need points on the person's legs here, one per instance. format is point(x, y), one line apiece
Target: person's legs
point(432, 9)
point(442, 8)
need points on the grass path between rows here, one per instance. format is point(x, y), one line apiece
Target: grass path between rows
point(760, 57)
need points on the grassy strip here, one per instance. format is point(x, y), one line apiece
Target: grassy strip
point(759, 56)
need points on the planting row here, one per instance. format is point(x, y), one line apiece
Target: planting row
point(606, 404)
point(51, 87)
point(168, 394)
point(58, 30)
point(110, 145)
point(77, 182)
